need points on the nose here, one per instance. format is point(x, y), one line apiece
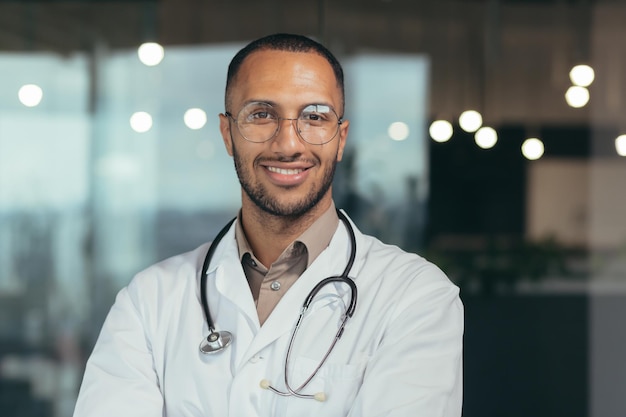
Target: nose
point(287, 140)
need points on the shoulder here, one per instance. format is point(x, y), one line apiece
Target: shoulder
point(393, 261)
point(379, 261)
point(404, 287)
point(403, 279)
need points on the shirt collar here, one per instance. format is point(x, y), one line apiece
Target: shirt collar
point(316, 238)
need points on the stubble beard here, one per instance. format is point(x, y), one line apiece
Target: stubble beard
point(264, 200)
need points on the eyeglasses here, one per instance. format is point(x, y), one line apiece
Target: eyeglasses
point(259, 122)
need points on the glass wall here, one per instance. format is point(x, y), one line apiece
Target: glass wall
point(111, 160)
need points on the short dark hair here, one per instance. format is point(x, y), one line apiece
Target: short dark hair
point(283, 42)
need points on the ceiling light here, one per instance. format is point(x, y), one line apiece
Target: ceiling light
point(151, 53)
point(532, 149)
point(470, 120)
point(440, 130)
point(582, 75)
point(486, 137)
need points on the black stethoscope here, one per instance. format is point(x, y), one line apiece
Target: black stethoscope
point(217, 341)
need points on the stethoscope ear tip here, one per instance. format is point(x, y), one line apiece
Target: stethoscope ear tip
point(320, 396)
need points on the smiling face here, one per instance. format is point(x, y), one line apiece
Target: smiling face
point(284, 176)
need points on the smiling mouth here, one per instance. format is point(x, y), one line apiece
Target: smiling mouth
point(284, 171)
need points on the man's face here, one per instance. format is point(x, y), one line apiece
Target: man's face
point(284, 176)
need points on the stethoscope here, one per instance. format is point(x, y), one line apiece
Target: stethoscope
point(217, 341)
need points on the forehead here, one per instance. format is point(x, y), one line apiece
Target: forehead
point(285, 78)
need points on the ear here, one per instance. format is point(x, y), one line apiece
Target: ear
point(343, 136)
point(226, 136)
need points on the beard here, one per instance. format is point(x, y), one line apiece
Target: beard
point(269, 203)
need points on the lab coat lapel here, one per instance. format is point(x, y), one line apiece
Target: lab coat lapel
point(230, 300)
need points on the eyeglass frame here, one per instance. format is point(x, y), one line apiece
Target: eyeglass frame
point(340, 121)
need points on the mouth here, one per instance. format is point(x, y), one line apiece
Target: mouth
point(287, 176)
point(285, 171)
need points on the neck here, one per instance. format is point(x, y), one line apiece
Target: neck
point(269, 235)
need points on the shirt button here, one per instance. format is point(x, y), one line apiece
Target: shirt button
point(275, 286)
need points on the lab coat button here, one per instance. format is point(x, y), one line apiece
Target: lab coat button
point(255, 359)
point(275, 286)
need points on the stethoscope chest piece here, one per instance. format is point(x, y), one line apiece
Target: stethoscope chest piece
point(216, 342)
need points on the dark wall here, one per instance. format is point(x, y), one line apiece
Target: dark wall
point(482, 192)
point(526, 356)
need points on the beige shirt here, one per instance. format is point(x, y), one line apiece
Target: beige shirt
point(269, 284)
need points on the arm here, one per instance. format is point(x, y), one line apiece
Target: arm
point(120, 379)
point(417, 369)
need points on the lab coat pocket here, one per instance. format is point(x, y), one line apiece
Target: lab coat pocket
point(337, 382)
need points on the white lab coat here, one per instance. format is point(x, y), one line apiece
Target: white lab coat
point(400, 354)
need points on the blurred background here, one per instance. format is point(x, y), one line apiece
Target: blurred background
point(486, 135)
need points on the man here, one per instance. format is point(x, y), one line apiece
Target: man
point(399, 354)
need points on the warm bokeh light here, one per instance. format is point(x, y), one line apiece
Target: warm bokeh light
point(440, 130)
point(577, 97)
point(30, 95)
point(151, 53)
point(141, 122)
point(195, 118)
point(532, 149)
point(398, 131)
point(620, 145)
point(486, 137)
point(470, 120)
point(582, 75)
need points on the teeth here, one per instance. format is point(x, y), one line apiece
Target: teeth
point(285, 171)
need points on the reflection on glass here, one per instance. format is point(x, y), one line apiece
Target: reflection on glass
point(141, 121)
point(382, 183)
point(398, 131)
point(30, 95)
point(195, 118)
point(44, 251)
point(150, 53)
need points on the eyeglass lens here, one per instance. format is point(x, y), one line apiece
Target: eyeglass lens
point(259, 122)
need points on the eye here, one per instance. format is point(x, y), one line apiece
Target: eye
point(258, 113)
point(317, 113)
point(312, 116)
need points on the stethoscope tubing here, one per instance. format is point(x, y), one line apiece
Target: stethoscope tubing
point(217, 341)
point(344, 319)
point(203, 275)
